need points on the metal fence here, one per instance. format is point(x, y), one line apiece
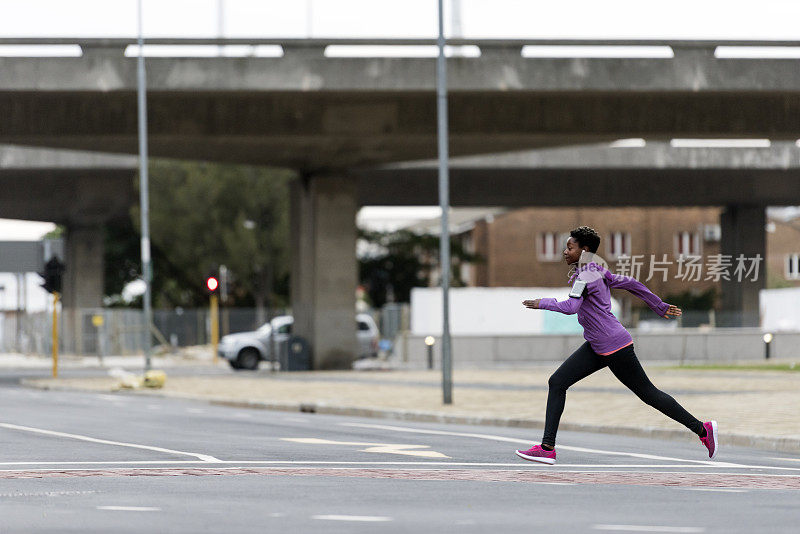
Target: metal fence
point(120, 331)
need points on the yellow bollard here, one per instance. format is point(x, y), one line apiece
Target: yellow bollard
point(215, 325)
point(56, 296)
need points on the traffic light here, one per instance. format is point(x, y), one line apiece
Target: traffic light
point(53, 274)
point(212, 284)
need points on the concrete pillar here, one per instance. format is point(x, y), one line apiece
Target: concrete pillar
point(742, 233)
point(324, 267)
point(83, 280)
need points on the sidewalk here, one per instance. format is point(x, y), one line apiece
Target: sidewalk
point(753, 408)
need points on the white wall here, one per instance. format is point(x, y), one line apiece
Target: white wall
point(780, 309)
point(36, 298)
point(480, 311)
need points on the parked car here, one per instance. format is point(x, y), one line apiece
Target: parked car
point(244, 350)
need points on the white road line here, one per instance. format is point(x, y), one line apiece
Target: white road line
point(111, 398)
point(564, 447)
point(559, 468)
point(46, 494)
point(138, 462)
point(520, 466)
point(646, 528)
point(237, 465)
point(369, 518)
point(720, 490)
point(203, 457)
point(294, 419)
point(130, 508)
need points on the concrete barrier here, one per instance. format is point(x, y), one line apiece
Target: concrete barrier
point(696, 345)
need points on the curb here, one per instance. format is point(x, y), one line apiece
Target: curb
point(769, 443)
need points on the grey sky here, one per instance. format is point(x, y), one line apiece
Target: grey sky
point(767, 19)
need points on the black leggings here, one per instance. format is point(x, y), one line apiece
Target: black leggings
point(626, 367)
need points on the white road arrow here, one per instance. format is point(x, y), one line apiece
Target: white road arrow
point(385, 448)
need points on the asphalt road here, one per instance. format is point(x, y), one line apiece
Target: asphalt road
point(80, 462)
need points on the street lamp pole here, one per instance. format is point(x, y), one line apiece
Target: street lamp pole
point(444, 203)
point(144, 202)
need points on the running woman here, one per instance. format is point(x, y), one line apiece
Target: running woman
point(608, 343)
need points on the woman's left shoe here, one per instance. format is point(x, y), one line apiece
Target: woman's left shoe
point(538, 454)
point(711, 441)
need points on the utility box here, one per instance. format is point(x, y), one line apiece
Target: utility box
point(294, 354)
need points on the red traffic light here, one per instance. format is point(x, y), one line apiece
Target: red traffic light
point(212, 283)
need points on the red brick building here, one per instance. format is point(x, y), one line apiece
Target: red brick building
point(523, 248)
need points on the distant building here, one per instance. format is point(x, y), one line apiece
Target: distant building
point(522, 248)
point(783, 252)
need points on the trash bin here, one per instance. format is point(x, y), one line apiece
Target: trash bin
point(295, 355)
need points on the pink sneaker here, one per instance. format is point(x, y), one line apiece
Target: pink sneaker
point(711, 440)
point(538, 454)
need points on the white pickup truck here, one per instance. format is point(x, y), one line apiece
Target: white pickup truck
point(245, 350)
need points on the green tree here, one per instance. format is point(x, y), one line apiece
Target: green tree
point(396, 262)
point(205, 215)
point(692, 300)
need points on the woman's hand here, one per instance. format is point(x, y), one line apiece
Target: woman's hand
point(673, 311)
point(531, 304)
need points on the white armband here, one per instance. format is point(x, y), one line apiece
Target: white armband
point(577, 289)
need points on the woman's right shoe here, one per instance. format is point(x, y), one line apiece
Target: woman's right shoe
point(711, 441)
point(538, 454)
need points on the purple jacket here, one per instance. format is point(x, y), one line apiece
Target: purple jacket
point(601, 329)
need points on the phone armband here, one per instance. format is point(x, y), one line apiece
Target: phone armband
point(577, 289)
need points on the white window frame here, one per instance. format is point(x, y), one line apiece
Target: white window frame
point(619, 244)
point(683, 244)
point(550, 245)
point(791, 266)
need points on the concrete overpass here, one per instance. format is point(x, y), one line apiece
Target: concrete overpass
point(82, 191)
point(327, 117)
point(311, 112)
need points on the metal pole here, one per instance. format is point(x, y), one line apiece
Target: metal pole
point(55, 334)
point(221, 25)
point(309, 18)
point(144, 202)
point(214, 316)
point(444, 203)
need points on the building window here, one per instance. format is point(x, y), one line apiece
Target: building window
point(619, 244)
point(712, 232)
point(550, 246)
point(687, 244)
point(793, 266)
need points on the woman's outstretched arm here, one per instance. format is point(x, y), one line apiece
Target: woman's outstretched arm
point(635, 287)
point(567, 307)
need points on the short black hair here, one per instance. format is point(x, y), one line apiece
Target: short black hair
point(586, 237)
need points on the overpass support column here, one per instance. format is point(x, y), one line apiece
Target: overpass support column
point(83, 280)
point(324, 267)
point(743, 233)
